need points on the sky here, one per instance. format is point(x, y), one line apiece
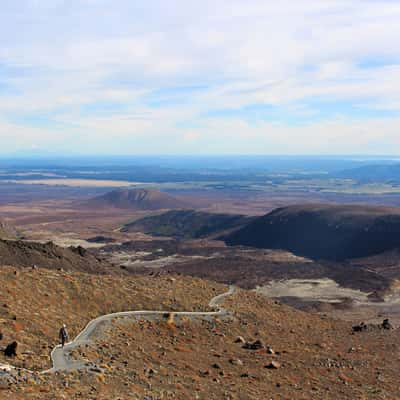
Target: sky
point(199, 77)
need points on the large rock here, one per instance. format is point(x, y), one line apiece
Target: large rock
point(373, 327)
point(240, 339)
point(79, 250)
point(257, 345)
point(11, 350)
point(273, 365)
point(360, 327)
point(386, 324)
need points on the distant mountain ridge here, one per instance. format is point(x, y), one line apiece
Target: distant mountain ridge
point(187, 224)
point(138, 199)
point(331, 232)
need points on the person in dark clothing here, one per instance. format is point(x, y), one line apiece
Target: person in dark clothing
point(63, 335)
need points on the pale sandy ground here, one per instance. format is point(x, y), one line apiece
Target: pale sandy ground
point(67, 241)
point(328, 291)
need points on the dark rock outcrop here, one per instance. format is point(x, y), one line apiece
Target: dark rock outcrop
point(362, 327)
point(386, 324)
point(11, 350)
point(256, 345)
point(48, 255)
point(101, 239)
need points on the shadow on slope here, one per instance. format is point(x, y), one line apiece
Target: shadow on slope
point(331, 232)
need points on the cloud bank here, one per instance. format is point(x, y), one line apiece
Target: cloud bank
point(188, 76)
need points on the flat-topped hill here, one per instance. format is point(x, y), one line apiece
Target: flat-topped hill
point(333, 232)
point(186, 224)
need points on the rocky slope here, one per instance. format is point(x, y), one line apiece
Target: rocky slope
point(324, 231)
point(264, 347)
point(36, 302)
point(48, 255)
point(138, 199)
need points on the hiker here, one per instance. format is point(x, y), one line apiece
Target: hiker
point(63, 335)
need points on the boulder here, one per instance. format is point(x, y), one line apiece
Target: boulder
point(273, 365)
point(5, 368)
point(386, 324)
point(360, 327)
point(257, 345)
point(11, 350)
point(270, 350)
point(236, 361)
point(79, 250)
point(373, 327)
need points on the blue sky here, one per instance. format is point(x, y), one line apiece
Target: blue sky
point(190, 77)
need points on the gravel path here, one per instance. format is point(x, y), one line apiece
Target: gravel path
point(60, 355)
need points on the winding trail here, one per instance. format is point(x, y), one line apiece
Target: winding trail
point(60, 355)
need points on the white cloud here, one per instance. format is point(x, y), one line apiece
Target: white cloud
point(58, 57)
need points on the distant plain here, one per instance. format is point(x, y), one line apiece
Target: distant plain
point(46, 201)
